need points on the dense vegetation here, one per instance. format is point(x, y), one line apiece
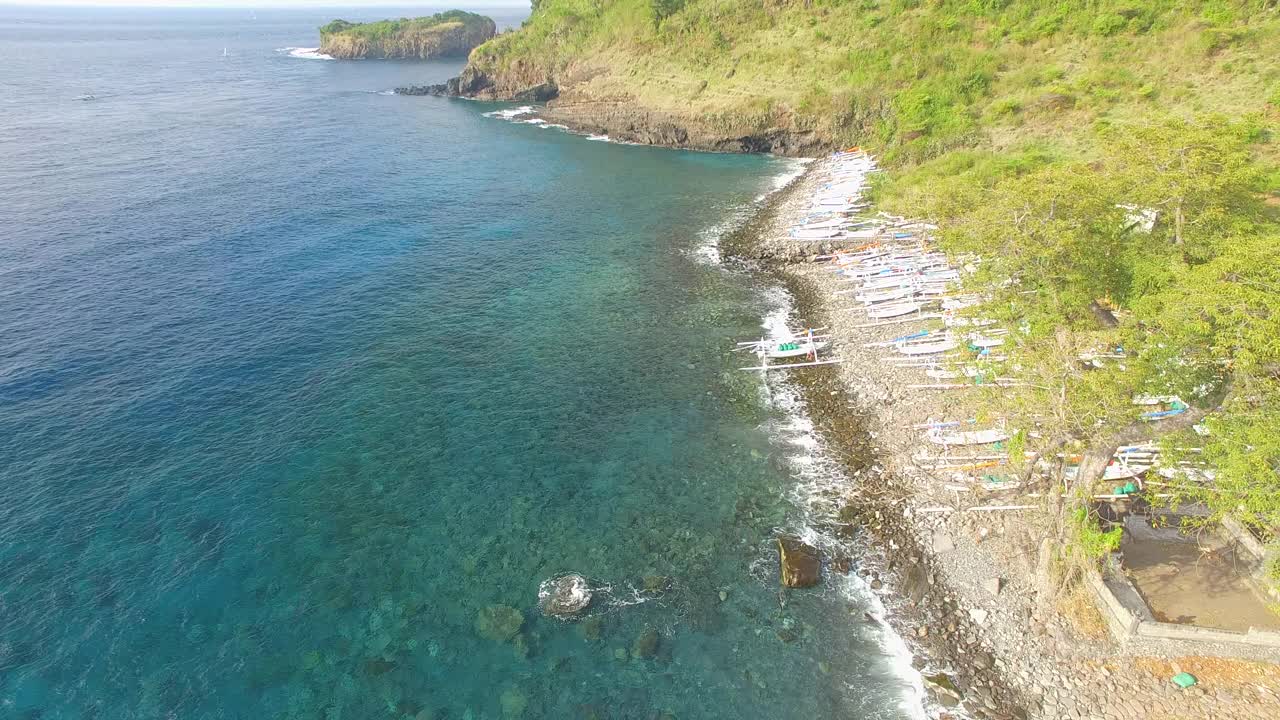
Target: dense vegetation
point(1035, 134)
point(454, 32)
point(387, 28)
point(1197, 296)
point(915, 78)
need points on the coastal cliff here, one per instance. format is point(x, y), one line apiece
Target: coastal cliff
point(915, 80)
point(448, 34)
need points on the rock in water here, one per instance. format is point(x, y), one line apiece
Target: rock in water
point(564, 596)
point(513, 703)
point(799, 561)
point(656, 584)
point(499, 622)
point(646, 645)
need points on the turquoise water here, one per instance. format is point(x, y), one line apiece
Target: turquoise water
point(298, 378)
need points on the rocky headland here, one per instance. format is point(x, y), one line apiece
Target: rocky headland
point(448, 34)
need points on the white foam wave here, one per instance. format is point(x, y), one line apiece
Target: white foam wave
point(708, 249)
point(304, 53)
point(914, 698)
point(794, 168)
point(510, 113)
point(822, 487)
point(599, 138)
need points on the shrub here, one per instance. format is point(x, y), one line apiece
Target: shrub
point(1214, 40)
point(1006, 106)
point(663, 9)
point(1108, 25)
point(1092, 542)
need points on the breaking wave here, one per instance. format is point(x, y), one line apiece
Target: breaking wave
point(303, 53)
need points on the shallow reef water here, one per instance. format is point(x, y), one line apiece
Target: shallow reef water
point(306, 388)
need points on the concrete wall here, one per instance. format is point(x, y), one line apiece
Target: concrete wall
point(1245, 540)
point(1172, 631)
point(1128, 616)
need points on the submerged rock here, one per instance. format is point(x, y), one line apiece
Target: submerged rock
point(646, 645)
point(799, 561)
point(842, 564)
point(564, 596)
point(513, 703)
point(591, 628)
point(499, 622)
point(656, 584)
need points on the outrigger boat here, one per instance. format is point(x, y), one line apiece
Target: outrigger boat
point(939, 436)
point(931, 347)
point(804, 346)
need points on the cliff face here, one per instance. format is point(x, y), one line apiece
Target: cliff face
point(451, 34)
point(591, 99)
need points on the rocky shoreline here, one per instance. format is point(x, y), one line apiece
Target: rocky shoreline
point(580, 110)
point(963, 584)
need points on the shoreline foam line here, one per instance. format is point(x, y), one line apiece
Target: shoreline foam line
point(820, 481)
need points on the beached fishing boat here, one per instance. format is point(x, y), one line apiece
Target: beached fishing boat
point(818, 234)
point(1123, 471)
point(802, 347)
point(838, 222)
point(961, 302)
point(943, 436)
point(881, 312)
point(951, 320)
point(985, 342)
point(796, 345)
point(883, 295)
point(931, 347)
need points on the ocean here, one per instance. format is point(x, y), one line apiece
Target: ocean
point(306, 387)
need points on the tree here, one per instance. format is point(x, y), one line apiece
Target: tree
point(1200, 174)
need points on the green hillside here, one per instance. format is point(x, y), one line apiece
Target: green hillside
point(451, 33)
point(916, 77)
point(1031, 133)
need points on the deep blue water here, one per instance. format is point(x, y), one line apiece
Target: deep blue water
point(297, 378)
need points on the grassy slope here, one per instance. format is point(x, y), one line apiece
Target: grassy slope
point(916, 78)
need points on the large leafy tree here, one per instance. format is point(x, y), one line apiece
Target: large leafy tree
point(1197, 294)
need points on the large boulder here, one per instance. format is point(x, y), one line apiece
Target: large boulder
point(564, 596)
point(801, 567)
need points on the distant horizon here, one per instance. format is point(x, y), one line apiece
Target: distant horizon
point(268, 4)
